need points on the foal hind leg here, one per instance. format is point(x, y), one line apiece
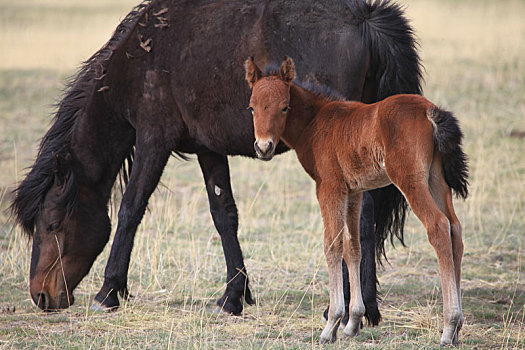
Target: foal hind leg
point(352, 256)
point(332, 204)
point(442, 195)
point(224, 213)
point(437, 225)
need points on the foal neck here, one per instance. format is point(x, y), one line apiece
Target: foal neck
point(304, 105)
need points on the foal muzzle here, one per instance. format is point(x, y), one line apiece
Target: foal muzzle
point(264, 149)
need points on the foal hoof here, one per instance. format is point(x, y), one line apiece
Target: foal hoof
point(328, 340)
point(348, 331)
point(98, 307)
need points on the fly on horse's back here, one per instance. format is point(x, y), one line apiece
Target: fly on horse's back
point(351, 147)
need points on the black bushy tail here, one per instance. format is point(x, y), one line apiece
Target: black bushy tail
point(448, 138)
point(395, 68)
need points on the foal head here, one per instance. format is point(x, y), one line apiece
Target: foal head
point(269, 104)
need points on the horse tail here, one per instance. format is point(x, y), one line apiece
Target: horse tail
point(394, 68)
point(448, 138)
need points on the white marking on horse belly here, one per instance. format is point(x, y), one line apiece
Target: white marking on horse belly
point(218, 190)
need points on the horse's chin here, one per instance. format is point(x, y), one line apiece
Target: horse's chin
point(266, 157)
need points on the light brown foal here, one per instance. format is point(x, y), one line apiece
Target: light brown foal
point(351, 147)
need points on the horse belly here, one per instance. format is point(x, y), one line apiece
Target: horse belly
point(369, 179)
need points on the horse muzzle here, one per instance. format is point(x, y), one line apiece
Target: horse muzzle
point(45, 302)
point(264, 149)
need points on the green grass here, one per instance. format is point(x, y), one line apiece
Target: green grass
point(473, 53)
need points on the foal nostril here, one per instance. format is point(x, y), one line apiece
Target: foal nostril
point(264, 147)
point(41, 300)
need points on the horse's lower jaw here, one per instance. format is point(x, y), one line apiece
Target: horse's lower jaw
point(265, 157)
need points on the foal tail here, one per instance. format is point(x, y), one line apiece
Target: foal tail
point(448, 138)
point(395, 68)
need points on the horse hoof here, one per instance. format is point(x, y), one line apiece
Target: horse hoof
point(98, 307)
point(352, 331)
point(328, 340)
point(220, 311)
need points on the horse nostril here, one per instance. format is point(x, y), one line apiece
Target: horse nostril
point(270, 146)
point(42, 300)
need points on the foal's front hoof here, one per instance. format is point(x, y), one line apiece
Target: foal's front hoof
point(328, 340)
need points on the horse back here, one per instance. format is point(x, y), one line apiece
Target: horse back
point(178, 68)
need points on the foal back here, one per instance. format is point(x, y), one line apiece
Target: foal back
point(364, 140)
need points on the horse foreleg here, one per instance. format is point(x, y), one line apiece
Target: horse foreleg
point(352, 255)
point(367, 268)
point(333, 212)
point(224, 213)
point(368, 260)
point(151, 156)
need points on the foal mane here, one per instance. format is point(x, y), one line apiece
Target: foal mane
point(317, 89)
point(30, 194)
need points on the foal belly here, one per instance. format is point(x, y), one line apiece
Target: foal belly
point(367, 179)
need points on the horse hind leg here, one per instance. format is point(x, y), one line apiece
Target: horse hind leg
point(438, 229)
point(442, 195)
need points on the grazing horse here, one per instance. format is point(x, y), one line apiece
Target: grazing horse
point(351, 147)
point(167, 82)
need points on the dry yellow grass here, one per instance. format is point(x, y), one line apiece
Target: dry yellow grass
point(473, 53)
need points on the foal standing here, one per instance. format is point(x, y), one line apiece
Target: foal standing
point(351, 147)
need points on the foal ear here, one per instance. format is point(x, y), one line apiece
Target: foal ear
point(253, 73)
point(287, 71)
point(62, 168)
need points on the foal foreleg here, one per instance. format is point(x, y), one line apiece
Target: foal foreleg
point(352, 255)
point(332, 210)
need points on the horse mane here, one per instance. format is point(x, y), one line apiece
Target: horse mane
point(29, 195)
point(317, 89)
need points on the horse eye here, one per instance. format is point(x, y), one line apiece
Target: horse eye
point(250, 109)
point(285, 109)
point(53, 227)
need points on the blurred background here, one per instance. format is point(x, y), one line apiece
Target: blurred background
point(473, 53)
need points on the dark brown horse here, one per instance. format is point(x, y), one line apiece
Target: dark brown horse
point(351, 147)
point(167, 82)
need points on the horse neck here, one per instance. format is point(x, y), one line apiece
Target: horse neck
point(304, 106)
point(99, 145)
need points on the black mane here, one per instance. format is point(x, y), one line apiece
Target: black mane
point(30, 194)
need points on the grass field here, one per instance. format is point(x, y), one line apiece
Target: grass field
point(473, 53)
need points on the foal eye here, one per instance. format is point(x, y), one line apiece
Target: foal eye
point(250, 109)
point(285, 109)
point(53, 227)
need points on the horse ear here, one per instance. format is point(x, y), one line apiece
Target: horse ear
point(253, 73)
point(62, 168)
point(287, 71)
